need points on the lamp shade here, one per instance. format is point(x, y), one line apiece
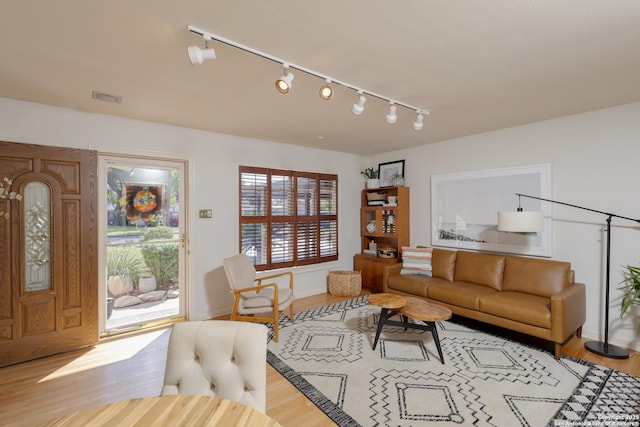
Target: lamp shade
point(520, 221)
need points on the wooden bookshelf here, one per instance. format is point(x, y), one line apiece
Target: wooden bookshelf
point(387, 225)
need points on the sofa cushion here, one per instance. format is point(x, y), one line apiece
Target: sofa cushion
point(462, 294)
point(483, 269)
point(443, 264)
point(414, 284)
point(521, 307)
point(540, 277)
point(416, 260)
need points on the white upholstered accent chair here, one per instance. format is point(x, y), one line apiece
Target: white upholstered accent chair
point(258, 299)
point(218, 358)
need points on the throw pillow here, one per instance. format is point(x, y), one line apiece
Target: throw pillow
point(416, 260)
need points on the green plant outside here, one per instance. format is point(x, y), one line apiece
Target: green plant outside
point(631, 289)
point(125, 261)
point(157, 233)
point(162, 261)
point(129, 230)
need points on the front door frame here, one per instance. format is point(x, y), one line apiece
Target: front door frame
point(140, 160)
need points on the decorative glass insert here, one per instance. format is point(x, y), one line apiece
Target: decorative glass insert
point(37, 236)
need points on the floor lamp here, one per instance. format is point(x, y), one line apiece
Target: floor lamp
point(527, 222)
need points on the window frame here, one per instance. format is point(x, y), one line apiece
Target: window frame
point(262, 217)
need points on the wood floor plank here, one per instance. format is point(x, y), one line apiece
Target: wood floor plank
point(35, 392)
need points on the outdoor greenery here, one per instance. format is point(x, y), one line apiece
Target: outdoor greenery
point(161, 258)
point(162, 261)
point(125, 261)
point(157, 233)
point(631, 289)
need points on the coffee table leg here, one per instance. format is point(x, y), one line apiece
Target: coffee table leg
point(405, 320)
point(383, 318)
point(434, 332)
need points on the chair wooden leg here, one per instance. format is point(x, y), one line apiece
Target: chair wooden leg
point(291, 312)
point(558, 348)
point(275, 325)
point(579, 332)
point(234, 311)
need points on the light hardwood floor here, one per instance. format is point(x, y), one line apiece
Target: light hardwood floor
point(33, 393)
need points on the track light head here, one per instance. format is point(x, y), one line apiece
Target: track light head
point(392, 117)
point(198, 56)
point(358, 108)
point(417, 125)
point(326, 91)
point(283, 84)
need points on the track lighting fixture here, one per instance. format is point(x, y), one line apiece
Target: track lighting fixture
point(417, 125)
point(326, 91)
point(358, 108)
point(283, 84)
point(392, 117)
point(197, 55)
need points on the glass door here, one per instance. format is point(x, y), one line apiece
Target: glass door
point(143, 253)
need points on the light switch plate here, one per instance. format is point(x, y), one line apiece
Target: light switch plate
point(206, 213)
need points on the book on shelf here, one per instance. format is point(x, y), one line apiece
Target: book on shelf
point(375, 203)
point(369, 252)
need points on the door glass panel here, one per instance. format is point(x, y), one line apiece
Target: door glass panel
point(144, 250)
point(37, 236)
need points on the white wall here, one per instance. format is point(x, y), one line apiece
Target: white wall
point(594, 159)
point(213, 160)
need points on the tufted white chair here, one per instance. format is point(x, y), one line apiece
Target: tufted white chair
point(218, 358)
point(258, 295)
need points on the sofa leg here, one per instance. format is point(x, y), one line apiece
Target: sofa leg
point(579, 332)
point(558, 347)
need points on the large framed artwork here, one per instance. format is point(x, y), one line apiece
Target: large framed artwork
point(464, 209)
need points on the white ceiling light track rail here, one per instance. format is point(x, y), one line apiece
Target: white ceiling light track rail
point(326, 90)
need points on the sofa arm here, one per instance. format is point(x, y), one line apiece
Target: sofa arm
point(568, 312)
point(388, 271)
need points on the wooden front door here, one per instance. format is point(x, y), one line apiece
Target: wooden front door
point(48, 251)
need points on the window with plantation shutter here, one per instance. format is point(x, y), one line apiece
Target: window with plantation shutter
point(288, 218)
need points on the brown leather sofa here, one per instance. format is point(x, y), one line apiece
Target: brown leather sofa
point(533, 296)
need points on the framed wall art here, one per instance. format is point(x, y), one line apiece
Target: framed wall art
point(464, 209)
point(387, 171)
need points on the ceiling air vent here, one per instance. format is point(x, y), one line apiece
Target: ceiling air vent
point(105, 97)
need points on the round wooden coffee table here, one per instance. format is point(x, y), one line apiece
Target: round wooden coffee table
point(388, 301)
point(409, 307)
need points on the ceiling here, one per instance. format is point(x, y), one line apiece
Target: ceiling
point(476, 65)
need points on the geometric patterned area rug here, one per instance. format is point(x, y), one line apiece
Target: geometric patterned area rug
point(485, 380)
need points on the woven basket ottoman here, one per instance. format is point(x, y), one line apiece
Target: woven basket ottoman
point(345, 283)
